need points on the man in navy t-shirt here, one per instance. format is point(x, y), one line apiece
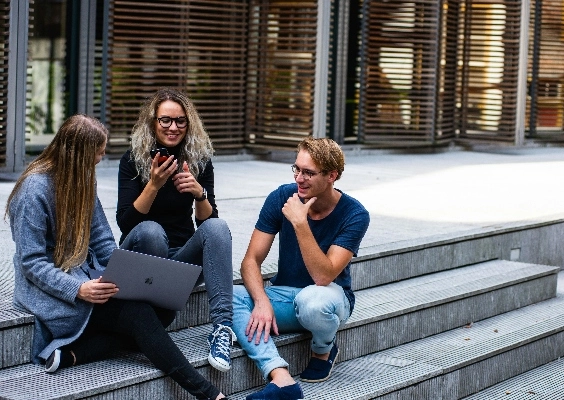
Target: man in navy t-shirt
point(320, 229)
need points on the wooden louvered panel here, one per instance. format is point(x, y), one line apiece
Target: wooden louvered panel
point(447, 111)
point(196, 46)
point(489, 50)
point(545, 105)
point(4, 52)
point(281, 72)
point(99, 104)
point(398, 97)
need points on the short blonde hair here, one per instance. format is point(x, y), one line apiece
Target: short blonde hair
point(325, 153)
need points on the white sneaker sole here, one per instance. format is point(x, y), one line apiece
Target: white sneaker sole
point(56, 362)
point(218, 365)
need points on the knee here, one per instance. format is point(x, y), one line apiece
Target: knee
point(217, 227)
point(310, 300)
point(315, 304)
point(149, 230)
point(149, 237)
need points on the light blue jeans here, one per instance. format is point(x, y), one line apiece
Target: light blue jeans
point(321, 310)
point(210, 247)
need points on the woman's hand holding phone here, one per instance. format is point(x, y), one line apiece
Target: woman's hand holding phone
point(159, 174)
point(163, 166)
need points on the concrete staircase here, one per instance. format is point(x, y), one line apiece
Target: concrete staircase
point(440, 320)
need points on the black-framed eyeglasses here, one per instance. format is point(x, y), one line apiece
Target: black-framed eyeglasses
point(306, 173)
point(166, 122)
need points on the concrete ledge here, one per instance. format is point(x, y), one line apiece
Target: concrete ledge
point(525, 242)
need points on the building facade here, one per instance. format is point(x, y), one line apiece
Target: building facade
point(265, 74)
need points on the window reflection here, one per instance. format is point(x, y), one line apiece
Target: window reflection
point(46, 71)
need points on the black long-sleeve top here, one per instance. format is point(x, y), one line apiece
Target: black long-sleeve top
point(171, 209)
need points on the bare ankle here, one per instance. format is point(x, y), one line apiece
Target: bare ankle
point(281, 377)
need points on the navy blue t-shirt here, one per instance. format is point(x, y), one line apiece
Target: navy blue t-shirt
point(344, 227)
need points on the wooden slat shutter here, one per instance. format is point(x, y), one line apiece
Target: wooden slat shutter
point(399, 60)
point(489, 51)
point(100, 68)
point(4, 51)
point(197, 46)
point(281, 72)
point(545, 103)
point(447, 111)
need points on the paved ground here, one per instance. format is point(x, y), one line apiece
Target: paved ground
point(412, 198)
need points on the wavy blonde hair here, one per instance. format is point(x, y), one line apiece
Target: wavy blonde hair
point(325, 153)
point(70, 160)
point(196, 148)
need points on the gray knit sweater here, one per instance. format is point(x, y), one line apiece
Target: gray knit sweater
point(41, 288)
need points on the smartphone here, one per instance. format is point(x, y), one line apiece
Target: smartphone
point(163, 154)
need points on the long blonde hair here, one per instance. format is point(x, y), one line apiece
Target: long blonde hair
point(70, 160)
point(196, 148)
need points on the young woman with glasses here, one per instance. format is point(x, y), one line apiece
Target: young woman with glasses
point(165, 192)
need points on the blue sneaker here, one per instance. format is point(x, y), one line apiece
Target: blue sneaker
point(319, 370)
point(219, 342)
point(273, 392)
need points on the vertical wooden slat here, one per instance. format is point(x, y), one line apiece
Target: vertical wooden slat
point(197, 46)
point(337, 71)
point(100, 66)
point(4, 52)
point(281, 72)
point(447, 112)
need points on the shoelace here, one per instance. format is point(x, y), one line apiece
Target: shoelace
point(220, 339)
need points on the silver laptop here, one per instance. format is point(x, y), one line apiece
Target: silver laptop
point(159, 281)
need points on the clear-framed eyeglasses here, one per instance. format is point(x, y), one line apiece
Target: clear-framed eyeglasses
point(306, 173)
point(166, 122)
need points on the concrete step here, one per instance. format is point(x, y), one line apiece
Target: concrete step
point(457, 363)
point(542, 383)
point(16, 332)
point(385, 316)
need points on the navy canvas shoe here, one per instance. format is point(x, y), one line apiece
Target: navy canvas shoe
point(274, 392)
point(319, 370)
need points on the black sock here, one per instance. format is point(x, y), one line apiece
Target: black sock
point(67, 359)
